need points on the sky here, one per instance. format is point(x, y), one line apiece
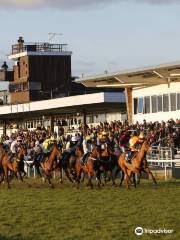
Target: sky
point(104, 35)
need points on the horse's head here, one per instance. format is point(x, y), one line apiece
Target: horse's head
point(58, 152)
point(107, 152)
point(79, 151)
point(15, 165)
point(145, 146)
point(96, 152)
point(22, 152)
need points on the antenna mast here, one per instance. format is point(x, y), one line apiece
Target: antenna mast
point(53, 35)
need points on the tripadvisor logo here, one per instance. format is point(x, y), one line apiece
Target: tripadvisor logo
point(140, 231)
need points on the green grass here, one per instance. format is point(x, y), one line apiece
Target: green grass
point(32, 211)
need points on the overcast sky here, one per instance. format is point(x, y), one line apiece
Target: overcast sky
point(103, 35)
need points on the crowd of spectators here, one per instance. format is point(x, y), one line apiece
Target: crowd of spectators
point(163, 134)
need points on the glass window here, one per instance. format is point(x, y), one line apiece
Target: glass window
point(178, 101)
point(173, 101)
point(165, 102)
point(135, 105)
point(147, 105)
point(160, 103)
point(154, 104)
point(140, 105)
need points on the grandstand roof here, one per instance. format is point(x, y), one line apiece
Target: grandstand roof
point(139, 77)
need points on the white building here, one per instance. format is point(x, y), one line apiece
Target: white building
point(75, 110)
point(152, 93)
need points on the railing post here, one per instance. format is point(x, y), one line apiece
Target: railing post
point(34, 171)
point(165, 172)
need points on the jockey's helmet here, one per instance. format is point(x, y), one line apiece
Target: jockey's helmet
point(74, 139)
point(141, 135)
point(104, 133)
point(52, 138)
point(37, 143)
point(88, 137)
point(19, 139)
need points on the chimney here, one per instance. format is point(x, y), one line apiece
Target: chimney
point(4, 66)
point(20, 42)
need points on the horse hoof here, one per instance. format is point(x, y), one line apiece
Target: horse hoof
point(43, 179)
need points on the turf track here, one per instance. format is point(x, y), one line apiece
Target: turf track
point(32, 211)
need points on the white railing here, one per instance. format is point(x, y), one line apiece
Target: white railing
point(157, 154)
point(165, 163)
point(32, 172)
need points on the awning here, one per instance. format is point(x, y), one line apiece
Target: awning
point(139, 77)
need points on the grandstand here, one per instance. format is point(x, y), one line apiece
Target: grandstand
point(152, 93)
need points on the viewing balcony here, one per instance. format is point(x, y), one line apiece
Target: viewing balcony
point(38, 47)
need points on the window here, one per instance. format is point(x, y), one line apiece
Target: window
point(147, 105)
point(165, 103)
point(178, 101)
point(154, 104)
point(173, 101)
point(160, 103)
point(135, 105)
point(140, 105)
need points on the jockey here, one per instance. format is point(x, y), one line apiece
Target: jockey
point(38, 150)
point(133, 141)
point(7, 143)
point(116, 147)
point(47, 145)
point(38, 153)
point(14, 147)
point(87, 147)
point(132, 145)
point(71, 145)
point(124, 140)
point(103, 139)
point(141, 138)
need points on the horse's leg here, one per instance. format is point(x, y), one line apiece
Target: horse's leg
point(78, 172)
point(61, 174)
point(110, 177)
point(128, 177)
point(2, 178)
point(68, 175)
point(139, 177)
point(83, 177)
point(122, 178)
point(134, 180)
point(38, 170)
point(90, 181)
point(48, 176)
point(116, 172)
point(6, 176)
point(22, 169)
point(148, 171)
point(98, 176)
point(20, 175)
point(109, 174)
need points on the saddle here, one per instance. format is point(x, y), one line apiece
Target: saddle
point(129, 156)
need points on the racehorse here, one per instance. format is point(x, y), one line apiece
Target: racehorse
point(108, 162)
point(20, 161)
point(138, 164)
point(49, 164)
point(87, 167)
point(6, 165)
point(68, 165)
point(105, 163)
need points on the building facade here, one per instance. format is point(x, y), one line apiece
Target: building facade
point(41, 70)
